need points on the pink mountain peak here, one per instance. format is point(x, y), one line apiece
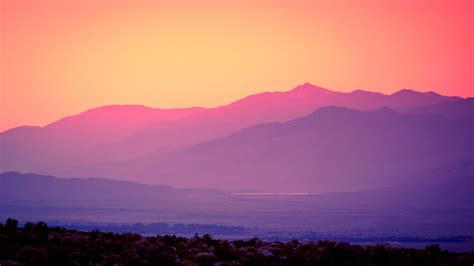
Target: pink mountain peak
point(413, 93)
point(364, 92)
point(307, 87)
point(268, 101)
point(133, 114)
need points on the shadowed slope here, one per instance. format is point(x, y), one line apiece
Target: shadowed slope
point(252, 110)
point(124, 132)
point(462, 108)
point(59, 144)
point(333, 149)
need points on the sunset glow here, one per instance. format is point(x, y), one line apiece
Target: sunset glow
point(59, 58)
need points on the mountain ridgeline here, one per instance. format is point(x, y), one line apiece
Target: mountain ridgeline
point(308, 161)
point(307, 139)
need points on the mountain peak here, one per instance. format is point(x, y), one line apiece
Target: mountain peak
point(405, 92)
point(332, 110)
point(308, 87)
point(364, 92)
point(412, 95)
point(432, 93)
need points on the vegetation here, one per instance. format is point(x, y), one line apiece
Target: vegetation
point(38, 244)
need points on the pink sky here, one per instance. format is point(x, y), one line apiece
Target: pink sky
point(61, 57)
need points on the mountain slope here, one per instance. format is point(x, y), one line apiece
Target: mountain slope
point(41, 149)
point(123, 132)
point(18, 186)
point(333, 149)
point(252, 110)
point(453, 109)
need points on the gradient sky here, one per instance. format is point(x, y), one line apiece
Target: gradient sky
point(61, 57)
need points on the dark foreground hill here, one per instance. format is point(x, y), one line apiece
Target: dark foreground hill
point(38, 244)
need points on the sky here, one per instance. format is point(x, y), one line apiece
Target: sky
point(59, 58)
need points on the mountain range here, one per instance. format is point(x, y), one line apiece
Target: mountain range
point(332, 149)
point(305, 139)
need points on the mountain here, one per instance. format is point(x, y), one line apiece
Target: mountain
point(40, 149)
point(255, 109)
point(439, 208)
point(16, 187)
point(124, 132)
point(48, 188)
point(333, 149)
point(461, 108)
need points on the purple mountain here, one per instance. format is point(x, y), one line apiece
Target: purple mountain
point(461, 108)
point(333, 149)
point(41, 149)
point(125, 132)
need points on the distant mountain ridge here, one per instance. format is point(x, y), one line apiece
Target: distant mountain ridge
point(374, 163)
point(441, 207)
point(114, 133)
point(35, 149)
point(332, 149)
point(38, 187)
point(463, 108)
point(17, 187)
point(80, 144)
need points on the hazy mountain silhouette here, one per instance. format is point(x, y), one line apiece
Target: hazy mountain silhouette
point(252, 110)
point(443, 207)
point(462, 108)
point(124, 132)
point(333, 149)
point(59, 144)
point(19, 187)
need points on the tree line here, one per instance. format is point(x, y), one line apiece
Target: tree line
point(40, 244)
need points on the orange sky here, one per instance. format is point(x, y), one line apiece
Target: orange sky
point(61, 57)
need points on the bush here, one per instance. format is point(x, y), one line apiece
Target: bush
point(38, 244)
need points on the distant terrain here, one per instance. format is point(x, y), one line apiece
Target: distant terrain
point(416, 213)
point(95, 142)
point(306, 162)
